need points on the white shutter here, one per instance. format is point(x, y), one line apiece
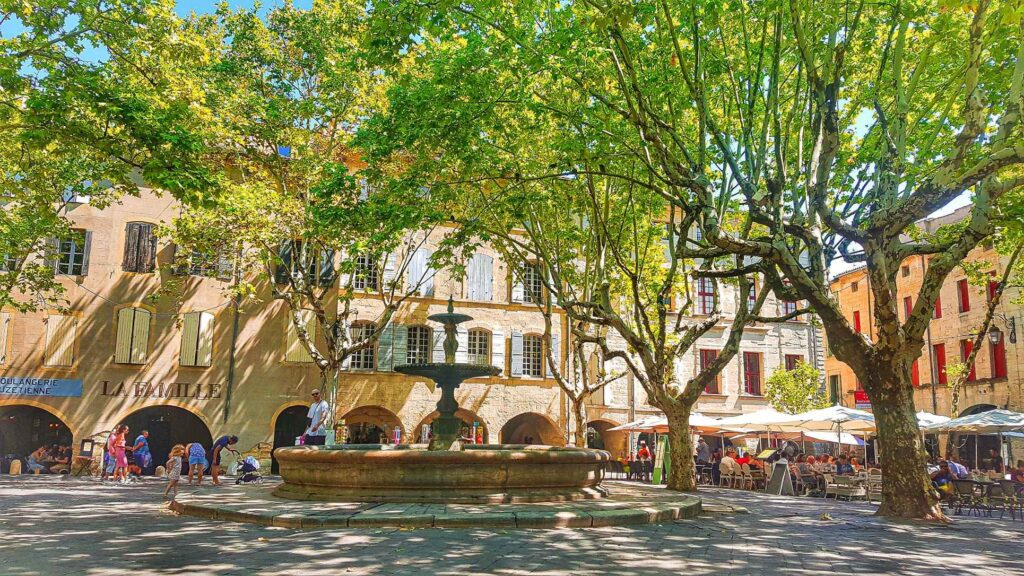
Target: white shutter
point(389, 272)
point(462, 352)
point(295, 350)
point(517, 354)
point(5, 322)
point(498, 349)
point(556, 353)
point(480, 278)
point(204, 346)
point(189, 339)
point(61, 332)
point(438, 347)
point(414, 274)
point(125, 324)
point(140, 336)
point(518, 291)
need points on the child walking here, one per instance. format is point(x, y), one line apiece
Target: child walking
point(174, 470)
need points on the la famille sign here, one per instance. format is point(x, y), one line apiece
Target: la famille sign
point(160, 390)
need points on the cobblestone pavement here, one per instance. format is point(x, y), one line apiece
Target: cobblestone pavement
point(52, 526)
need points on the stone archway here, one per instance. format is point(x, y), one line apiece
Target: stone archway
point(371, 425)
point(467, 417)
point(599, 437)
point(168, 425)
point(972, 449)
point(289, 423)
point(531, 428)
point(25, 428)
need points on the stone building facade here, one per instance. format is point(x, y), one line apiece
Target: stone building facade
point(997, 380)
point(159, 345)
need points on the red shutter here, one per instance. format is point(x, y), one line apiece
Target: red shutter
point(752, 373)
point(999, 359)
point(856, 321)
point(915, 375)
point(992, 287)
point(966, 347)
point(792, 360)
point(938, 307)
point(964, 295)
point(908, 307)
point(706, 358)
point(939, 351)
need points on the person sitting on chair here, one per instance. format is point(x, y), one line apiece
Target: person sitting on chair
point(643, 455)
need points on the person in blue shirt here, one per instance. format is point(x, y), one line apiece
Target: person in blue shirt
point(143, 458)
point(222, 443)
point(844, 466)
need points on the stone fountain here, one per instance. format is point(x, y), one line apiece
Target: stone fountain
point(446, 470)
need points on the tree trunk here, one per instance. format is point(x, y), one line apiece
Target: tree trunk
point(579, 414)
point(682, 475)
point(906, 489)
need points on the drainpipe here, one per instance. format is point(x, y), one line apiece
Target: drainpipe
point(932, 368)
point(235, 303)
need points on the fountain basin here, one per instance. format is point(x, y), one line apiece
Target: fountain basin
point(488, 473)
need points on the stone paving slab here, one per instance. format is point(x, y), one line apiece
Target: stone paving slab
point(627, 504)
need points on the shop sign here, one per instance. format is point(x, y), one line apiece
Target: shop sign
point(28, 386)
point(160, 390)
point(860, 399)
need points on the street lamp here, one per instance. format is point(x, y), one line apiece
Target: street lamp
point(995, 335)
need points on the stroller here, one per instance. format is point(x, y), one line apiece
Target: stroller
point(249, 471)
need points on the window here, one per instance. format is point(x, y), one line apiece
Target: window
point(939, 351)
point(706, 359)
point(963, 295)
point(915, 374)
point(908, 307)
point(5, 323)
point(480, 278)
point(296, 260)
point(73, 254)
point(854, 286)
point(61, 332)
point(788, 307)
point(533, 356)
point(834, 388)
point(966, 347)
point(196, 339)
point(8, 263)
point(532, 287)
point(479, 347)
point(139, 247)
point(366, 358)
point(905, 270)
point(295, 350)
point(698, 233)
point(997, 352)
point(937, 312)
point(752, 373)
point(752, 297)
point(132, 336)
point(705, 296)
point(208, 264)
point(367, 276)
point(856, 321)
point(792, 360)
point(417, 349)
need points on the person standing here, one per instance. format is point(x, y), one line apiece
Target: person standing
point(644, 456)
point(108, 454)
point(703, 456)
point(174, 470)
point(196, 462)
point(316, 432)
point(221, 444)
point(121, 455)
point(143, 458)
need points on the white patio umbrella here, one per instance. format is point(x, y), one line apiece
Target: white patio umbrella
point(925, 419)
point(644, 424)
point(992, 422)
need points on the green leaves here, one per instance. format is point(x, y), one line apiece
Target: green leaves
point(795, 391)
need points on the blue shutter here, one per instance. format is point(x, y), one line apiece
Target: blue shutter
point(517, 354)
point(400, 345)
point(385, 354)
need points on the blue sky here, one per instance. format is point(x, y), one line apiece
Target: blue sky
point(207, 6)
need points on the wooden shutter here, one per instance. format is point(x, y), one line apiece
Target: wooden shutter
point(86, 249)
point(60, 340)
point(556, 353)
point(480, 277)
point(326, 274)
point(131, 247)
point(123, 346)
point(438, 347)
point(385, 354)
point(5, 322)
point(462, 352)
point(140, 336)
point(497, 342)
point(517, 354)
point(400, 344)
point(518, 291)
point(427, 284)
point(197, 339)
point(284, 267)
point(414, 273)
point(389, 273)
point(296, 351)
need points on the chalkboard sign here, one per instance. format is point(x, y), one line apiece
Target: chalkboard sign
point(780, 482)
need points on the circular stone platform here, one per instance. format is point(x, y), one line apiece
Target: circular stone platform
point(625, 504)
